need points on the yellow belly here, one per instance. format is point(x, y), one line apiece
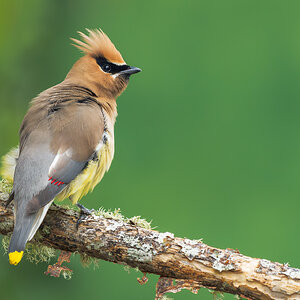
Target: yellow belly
point(88, 178)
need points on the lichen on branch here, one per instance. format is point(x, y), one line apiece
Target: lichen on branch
point(191, 263)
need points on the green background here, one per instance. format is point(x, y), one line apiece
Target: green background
point(207, 137)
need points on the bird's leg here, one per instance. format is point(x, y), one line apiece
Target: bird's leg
point(84, 212)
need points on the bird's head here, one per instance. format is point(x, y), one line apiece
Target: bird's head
point(102, 68)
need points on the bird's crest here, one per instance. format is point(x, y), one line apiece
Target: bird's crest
point(97, 43)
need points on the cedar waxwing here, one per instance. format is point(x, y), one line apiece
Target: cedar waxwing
point(66, 138)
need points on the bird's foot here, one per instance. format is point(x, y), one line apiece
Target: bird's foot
point(84, 212)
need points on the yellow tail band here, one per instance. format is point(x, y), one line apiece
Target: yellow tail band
point(15, 257)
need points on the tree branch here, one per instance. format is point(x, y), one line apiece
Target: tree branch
point(193, 263)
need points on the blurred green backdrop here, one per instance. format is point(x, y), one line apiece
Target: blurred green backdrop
point(207, 138)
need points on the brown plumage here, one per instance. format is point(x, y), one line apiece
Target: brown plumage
point(67, 136)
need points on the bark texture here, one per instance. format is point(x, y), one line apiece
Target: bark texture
point(193, 263)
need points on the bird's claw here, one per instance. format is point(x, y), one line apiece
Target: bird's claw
point(84, 212)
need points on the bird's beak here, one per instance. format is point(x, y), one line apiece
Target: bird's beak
point(130, 71)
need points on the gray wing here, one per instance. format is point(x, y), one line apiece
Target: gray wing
point(55, 152)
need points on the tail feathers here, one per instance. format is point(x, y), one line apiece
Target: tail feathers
point(18, 243)
point(25, 229)
point(15, 257)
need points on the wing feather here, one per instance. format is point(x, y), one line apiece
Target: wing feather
point(54, 152)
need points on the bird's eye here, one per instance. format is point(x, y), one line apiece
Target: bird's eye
point(106, 68)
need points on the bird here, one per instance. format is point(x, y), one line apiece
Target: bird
point(66, 138)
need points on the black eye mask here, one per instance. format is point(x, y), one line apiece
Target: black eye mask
point(109, 67)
